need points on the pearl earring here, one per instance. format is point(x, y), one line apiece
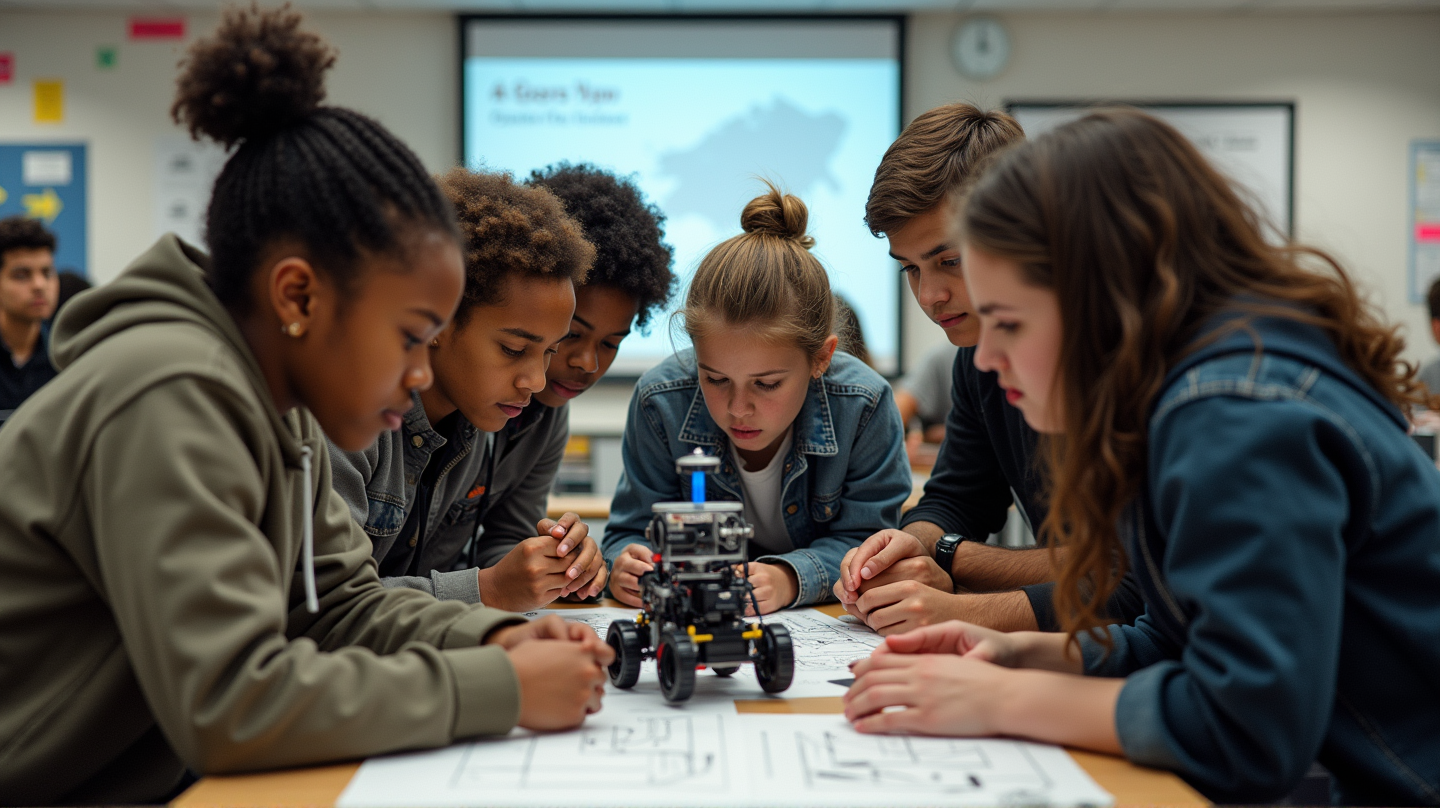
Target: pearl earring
point(293, 330)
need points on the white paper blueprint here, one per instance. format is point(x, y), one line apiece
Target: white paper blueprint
point(801, 760)
point(671, 757)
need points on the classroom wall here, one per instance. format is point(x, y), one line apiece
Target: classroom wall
point(1364, 86)
point(399, 68)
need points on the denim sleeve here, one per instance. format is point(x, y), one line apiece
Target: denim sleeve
point(967, 492)
point(1252, 501)
point(877, 483)
point(1125, 604)
point(1133, 647)
point(642, 483)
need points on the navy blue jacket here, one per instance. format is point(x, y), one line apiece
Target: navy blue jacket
point(1288, 545)
point(987, 461)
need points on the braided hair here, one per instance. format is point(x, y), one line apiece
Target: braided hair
point(331, 179)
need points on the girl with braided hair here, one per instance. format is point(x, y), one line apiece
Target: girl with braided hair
point(180, 589)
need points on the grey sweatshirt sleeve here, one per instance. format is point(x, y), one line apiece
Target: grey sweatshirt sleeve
point(350, 473)
point(461, 585)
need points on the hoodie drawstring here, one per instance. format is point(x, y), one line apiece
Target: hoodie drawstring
point(307, 557)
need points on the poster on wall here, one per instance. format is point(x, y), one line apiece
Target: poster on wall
point(185, 171)
point(47, 181)
point(1252, 142)
point(1424, 217)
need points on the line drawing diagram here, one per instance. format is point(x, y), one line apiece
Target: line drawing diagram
point(883, 764)
point(823, 643)
point(632, 752)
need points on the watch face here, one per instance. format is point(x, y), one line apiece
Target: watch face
point(981, 48)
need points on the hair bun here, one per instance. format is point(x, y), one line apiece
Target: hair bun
point(777, 214)
point(257, 74)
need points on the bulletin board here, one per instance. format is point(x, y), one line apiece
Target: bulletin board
point(1424, 224)
point(47, 181)
point(1251, 142)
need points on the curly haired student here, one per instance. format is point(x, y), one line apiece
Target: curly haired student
point(180, 589)
point(451, 500)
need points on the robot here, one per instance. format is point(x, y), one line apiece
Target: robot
point(695, 598)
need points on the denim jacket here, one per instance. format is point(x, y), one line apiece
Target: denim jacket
point(380, 486)
point(845, 477)
point(1287, 543)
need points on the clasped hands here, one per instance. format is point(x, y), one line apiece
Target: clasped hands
point(891, 583)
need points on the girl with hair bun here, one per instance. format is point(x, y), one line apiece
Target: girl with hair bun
point(1229, 414)
point(180, 589)
point(809, 438)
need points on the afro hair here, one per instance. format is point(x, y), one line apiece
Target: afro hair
point(630, 252)
point(508, 229)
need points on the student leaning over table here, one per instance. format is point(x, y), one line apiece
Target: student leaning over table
point(1235, 412)
point(810, 438)
point(988, 459)
point(454, 500)
point(179, 587)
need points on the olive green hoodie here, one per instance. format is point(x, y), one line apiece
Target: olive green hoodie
point(152, 601)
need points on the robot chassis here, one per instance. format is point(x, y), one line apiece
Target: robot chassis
point(695, 598)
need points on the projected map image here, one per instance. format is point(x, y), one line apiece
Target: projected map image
point(699, 135)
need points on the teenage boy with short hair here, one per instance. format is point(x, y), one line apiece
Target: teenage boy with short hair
point(28, 292)
point(937, 567)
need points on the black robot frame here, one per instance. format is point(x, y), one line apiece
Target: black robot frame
point(695, 597)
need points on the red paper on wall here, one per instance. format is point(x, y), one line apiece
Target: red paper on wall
point(157, 27)
point(7, 67)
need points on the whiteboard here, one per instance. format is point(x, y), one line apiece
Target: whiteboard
point(1252, 143)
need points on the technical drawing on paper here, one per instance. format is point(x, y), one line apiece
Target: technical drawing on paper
point(598, 618)
point(821, 760)
point(634, 751)
point(945, 766)
point(823, 643)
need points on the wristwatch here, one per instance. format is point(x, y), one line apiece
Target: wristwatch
point(945, 551)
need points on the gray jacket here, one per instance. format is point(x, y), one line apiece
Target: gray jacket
point(380, 486)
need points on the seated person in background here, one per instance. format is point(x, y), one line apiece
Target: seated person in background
point(425, 491)
point(1248, 404)
point(849, 330)
point(923, 396)
point(901, 579)
point(28, 292)
point(180, 589)
point(1430, 374)
point(808, 437)
point(72, 283)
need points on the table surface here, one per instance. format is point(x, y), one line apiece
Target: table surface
point(320, 786)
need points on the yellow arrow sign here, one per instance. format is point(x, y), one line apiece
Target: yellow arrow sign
point(44, 205)
point(3, 196)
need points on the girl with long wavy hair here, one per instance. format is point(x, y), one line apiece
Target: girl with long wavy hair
point(1226, 415)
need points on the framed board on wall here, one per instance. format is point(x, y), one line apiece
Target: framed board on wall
point(46, 181)
point(1251, 142)
point(696, 109)
point(1424, 217)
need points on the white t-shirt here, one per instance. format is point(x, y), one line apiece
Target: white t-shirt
point(761, 491)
